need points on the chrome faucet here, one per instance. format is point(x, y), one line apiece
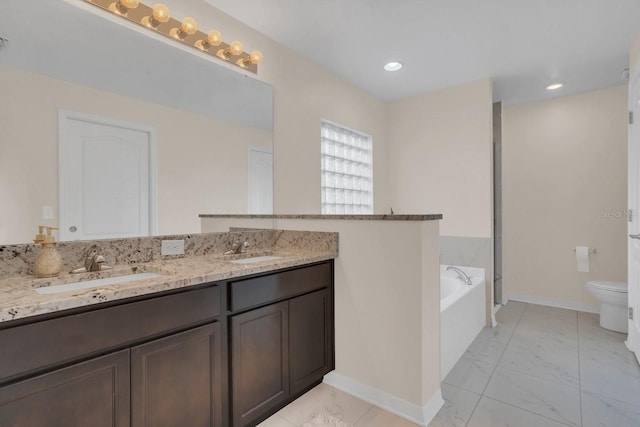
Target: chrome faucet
point(461, 275)
point(92, 262)
point(237, 248)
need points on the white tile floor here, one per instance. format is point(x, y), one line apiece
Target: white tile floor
point(540, 366)
point(543, 366)
point(341, 409)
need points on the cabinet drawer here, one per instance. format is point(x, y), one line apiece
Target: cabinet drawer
point(43, 344)
point(260, 290)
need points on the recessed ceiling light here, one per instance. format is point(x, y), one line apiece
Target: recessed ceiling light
point(555, 86)
point(393, 66)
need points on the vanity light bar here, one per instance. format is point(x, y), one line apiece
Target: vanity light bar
point(157, 18)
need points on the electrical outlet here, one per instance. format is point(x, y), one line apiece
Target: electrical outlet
point(47, 212)
point(172, 247)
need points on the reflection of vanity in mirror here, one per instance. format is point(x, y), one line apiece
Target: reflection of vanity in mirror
point(212, 126)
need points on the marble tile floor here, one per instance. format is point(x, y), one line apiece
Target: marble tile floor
point(543, 366)
point(326, 406)
point(540, 367)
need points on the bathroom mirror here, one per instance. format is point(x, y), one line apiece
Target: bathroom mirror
point(208, 119)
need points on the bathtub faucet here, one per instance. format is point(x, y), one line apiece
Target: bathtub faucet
point(461, 275)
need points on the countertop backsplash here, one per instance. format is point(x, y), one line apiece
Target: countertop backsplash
point(18, 260)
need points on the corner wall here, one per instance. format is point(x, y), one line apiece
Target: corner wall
point(440, 160)
point(304, 93)
point(387, 310)
point(440, 148)
point(564, 185)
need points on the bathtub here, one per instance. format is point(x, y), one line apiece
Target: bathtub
point(462, 314)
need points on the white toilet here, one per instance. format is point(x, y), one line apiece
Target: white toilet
point(613, 304)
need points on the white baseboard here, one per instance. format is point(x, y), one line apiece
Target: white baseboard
point(494, 310)
point(552, 302)
point(410, 411)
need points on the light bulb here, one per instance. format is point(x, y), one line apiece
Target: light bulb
point(555, 86)
point(121, 7)
point(235, 48)
point(130, 4)
point(159, 15)
point(189, 26)
point(255, 57)
point(214, 38)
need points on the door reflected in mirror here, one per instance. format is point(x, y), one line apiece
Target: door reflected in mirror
point(213, 125)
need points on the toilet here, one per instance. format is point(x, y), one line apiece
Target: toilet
point(613, 304)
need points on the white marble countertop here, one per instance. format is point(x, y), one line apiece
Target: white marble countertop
point(19, 299)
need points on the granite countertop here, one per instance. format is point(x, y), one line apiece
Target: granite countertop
point(19, 299)
point(425, 217)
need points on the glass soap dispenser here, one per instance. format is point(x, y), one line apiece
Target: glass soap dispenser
point(48, 262)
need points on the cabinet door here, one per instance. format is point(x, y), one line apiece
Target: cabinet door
point(310, 342)
point(259, 362)
point(93, 393)
point(176, 381)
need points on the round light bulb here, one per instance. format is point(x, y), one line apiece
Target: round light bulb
point(255, 57)
point(214, 38)
point(189, 26)
point(236, 48)
point(161, 13)
point(130, 4)
point(554, 86)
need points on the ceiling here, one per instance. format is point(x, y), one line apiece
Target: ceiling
point(522, 45)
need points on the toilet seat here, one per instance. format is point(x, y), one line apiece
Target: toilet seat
point(610, 286)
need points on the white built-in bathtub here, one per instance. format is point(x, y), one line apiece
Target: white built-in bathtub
point(462, 314)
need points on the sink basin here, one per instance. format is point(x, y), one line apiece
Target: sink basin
point(107, 281)
point(255, 259)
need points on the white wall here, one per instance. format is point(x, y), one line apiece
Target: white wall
point(564, 185)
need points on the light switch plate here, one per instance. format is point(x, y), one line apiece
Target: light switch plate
point(172, 247)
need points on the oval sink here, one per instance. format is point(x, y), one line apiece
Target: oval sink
point(107, 281)
point(255, 259)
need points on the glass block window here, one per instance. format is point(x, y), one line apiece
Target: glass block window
point(347, 170)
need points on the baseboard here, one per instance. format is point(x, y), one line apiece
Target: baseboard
point(494, 310)
point(410, 411)
point(552, 302)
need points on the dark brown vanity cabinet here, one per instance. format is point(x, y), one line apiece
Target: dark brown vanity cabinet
point(91, 393)
point(223, 354)
point(176, 380)
point(282, 347)
point(153, 362)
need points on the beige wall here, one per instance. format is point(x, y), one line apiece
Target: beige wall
point(440, 148)
point(564, 185)
point(195, 156)
point(387, 306)
point(304, 93)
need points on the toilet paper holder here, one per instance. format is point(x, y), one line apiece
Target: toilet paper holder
point(591, 250)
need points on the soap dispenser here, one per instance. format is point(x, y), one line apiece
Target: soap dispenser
point(48, 262)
